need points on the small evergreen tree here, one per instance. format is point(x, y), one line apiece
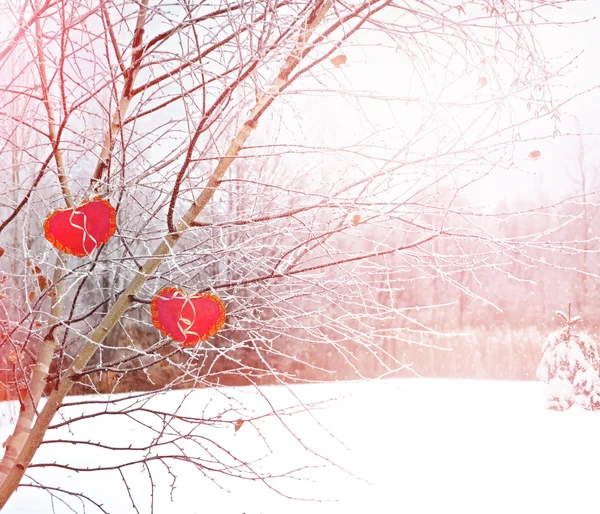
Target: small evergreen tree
point(570, 365)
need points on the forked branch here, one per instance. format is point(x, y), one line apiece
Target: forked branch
point(30, 441)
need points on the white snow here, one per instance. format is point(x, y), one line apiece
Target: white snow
point(569, 366)
point(425, 446)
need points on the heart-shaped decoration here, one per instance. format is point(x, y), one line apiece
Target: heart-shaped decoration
point(187, 318)
point(80, 230)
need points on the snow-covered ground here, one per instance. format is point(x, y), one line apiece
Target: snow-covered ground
point(420, 446)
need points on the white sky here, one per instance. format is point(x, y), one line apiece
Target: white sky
point(334, 120)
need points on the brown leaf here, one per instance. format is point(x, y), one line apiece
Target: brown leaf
point(356, 219)
point(1, 251)
point(238, 424)
point(42, 282)
point(338, 60)
point(536, 154)
point(31, 295)
point(36, 270)
point(482, 82)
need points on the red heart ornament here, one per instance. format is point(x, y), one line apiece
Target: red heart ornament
point(187, 318)
point(80, 230)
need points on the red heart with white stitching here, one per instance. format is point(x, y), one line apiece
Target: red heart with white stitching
point(187, 318)
point(80, 230)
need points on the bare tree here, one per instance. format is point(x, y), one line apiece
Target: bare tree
point(304, 161)
point(584, 173)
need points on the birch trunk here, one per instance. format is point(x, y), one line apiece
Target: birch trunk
point(28, 441)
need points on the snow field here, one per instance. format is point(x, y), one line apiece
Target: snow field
point(419, 446)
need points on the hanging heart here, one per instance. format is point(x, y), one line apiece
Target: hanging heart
point(187, 318)
point(80, 230)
